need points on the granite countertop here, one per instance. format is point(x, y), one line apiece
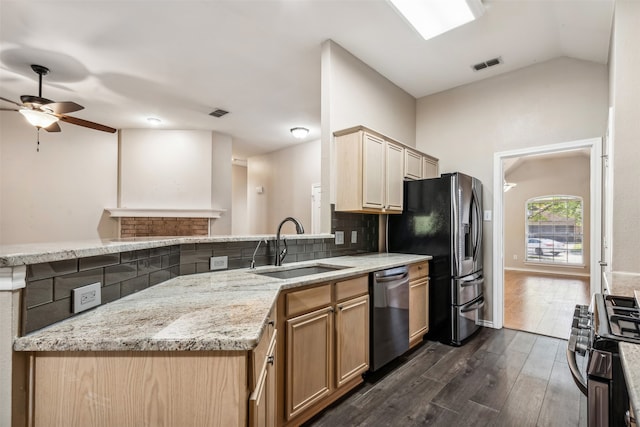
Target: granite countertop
point(209, 311)
point(35, 253)
point(630, 356)
point(620, 283)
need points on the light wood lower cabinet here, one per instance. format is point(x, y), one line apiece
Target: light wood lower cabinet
point(418, 302)
point(352, 339)
point(262, 402)
point(327, 346)
point(309, 361)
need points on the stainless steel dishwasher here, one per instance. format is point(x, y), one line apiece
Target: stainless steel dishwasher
point(389, 290)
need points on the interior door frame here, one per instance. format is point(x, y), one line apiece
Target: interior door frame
point(595, 154)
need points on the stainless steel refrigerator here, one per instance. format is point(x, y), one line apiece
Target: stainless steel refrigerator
point(442, 217)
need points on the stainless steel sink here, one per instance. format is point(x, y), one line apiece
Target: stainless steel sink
point(300, 271)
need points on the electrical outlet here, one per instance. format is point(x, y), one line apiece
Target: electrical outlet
point(515, 257)
point(354, 236)
point(86, 297)
point(339, 237)
point(219, 263)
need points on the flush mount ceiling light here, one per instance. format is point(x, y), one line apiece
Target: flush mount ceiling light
point(299, 132)
point(38, 119)
point(154, 121)
point(434, 17)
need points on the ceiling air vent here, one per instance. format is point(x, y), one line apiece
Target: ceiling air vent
point(218, 112)
point(486, 64)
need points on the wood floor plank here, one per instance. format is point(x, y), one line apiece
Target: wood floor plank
point(558, 408)
point(499, 378)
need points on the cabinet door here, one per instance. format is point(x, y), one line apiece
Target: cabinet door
point(418, 310)
point(412, 164)
point(429, 167)
point(352, 339)
point(373, 189)
point(262, 402)
point(309, 360)
point(394, 176)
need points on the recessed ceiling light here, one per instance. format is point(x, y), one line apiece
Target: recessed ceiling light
point(154, 121)
point(434, 17)
point(299, 132)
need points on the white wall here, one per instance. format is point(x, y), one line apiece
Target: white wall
point(165, 169)
point(352, 94)
point(59, 193)
point(536, 177)
point(286, 176)
point(556, 101)
point(625, 93)
point(240, 223)
point(221, 182)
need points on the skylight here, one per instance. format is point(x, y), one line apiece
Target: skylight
point(434, 17)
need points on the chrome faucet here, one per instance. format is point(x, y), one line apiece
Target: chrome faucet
point(299, 229)
point(253, 258)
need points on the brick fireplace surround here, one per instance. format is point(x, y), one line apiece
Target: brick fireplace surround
point(163, 226)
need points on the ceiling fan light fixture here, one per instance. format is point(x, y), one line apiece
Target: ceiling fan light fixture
point(299, 132)
point(434, 17)
point(38, 118)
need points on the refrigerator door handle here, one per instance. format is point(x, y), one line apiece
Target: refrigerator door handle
point(475, 306)
point(479, 281)
point(477, 225)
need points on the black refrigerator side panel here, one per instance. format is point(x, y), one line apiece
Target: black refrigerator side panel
point(439, 299)
point(424, 227)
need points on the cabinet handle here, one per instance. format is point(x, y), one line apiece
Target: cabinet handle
point(331, 310)
point(270, 360)
point(271, 323)
point(340, 307)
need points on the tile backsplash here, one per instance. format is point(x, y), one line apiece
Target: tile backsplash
point(47, 295)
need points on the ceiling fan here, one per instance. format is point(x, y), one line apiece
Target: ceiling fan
point(44, 113)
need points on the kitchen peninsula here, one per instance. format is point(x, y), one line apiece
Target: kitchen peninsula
point(194, 348)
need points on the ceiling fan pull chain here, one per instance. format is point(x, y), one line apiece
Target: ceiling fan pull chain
point(38, 139)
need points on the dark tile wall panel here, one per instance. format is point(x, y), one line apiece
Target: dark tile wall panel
point(47, 295)
point(137, 270)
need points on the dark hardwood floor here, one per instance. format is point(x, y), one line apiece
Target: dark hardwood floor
point(500, 378)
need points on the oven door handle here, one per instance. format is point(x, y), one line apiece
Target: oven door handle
point(578, 378)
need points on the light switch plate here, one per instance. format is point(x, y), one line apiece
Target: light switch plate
point(487, 215)
point(219, 263)
point(86, 297)
point(339, 237)
point(354, 236)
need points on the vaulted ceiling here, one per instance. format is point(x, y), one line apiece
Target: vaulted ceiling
point(260, 60)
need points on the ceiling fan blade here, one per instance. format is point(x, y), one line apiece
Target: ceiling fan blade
point(85, 123)
point(12, 102)
point(53, 127)
point(63, 107)
point(8, 109)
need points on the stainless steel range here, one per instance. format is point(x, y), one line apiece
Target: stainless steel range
point(595, 334)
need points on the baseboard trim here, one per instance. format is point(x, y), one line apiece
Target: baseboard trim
point(486, 323)
point(552, 273)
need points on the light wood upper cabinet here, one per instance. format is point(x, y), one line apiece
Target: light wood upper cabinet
point(370, 169)
point(418, 302)
point(412, 164)
point(394, 174)
point(369, 172)
point(429, 167)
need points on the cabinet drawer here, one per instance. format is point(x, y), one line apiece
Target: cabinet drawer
point(309, 299)
point(352, 287)
point(418, 270)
